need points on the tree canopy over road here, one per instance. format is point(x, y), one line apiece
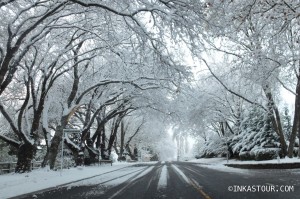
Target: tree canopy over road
point(125, 71)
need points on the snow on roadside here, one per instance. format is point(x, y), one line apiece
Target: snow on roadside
point(208, 160)
point(275, 161)
point(17, 184)
point(219, 164)
point(162, 182)
point(233, 161)
point(222, 167)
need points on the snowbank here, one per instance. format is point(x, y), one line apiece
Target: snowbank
point(17, 184)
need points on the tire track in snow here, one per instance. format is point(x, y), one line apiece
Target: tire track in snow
point(105, 178)
point(191, 181)
point(132, 181)
point(181, 174)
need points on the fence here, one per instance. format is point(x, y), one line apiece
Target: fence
point(8, 167)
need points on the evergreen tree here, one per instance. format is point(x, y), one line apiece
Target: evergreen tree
point(257, 139)
point(287, 124)
point(6, 152)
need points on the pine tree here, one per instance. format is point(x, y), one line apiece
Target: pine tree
point(257, 139)
point(287, 124)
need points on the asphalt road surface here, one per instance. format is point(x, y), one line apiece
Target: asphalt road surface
point(181, 180)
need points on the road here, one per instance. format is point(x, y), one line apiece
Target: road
point(181, 180)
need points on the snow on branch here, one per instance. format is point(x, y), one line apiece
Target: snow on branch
point(10, 141)
point(3, 3)
point(8, 118)
point(84, 4)
point(228, 89)
point(107, 82)
point(67, 139)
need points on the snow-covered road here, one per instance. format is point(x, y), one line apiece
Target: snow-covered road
point(153, 180)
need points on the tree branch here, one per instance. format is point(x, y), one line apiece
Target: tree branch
point(228, 89)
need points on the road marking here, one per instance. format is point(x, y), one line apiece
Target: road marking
point(162, 182)
point(191, 182)
point(180, 173)
point(196, 172)
point(199, 189)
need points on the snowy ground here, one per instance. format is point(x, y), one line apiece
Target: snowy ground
point(222, 161)
point(276, 161)
point(16, 184)
point(219, 163)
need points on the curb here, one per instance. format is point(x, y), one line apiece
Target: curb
point(265, 166)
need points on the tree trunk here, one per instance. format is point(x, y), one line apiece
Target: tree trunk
point(53, 151)
point(75, 153)
point(115, 143)
point(25, 155)
point(102, 145)
point(132, 156)
point(299, 142)
point(222, 129)
point(113, 135)
point(45, 160)
point(295, 127)
point(122, 138)
point(54, 146)
point(127, 147)
point(280, 132)
point(275, 117)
